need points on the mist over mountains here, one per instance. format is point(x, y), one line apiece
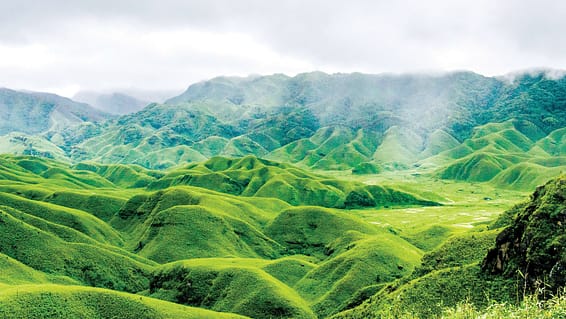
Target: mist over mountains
point(122, 102)
point(35, 112)
point(354, 121)
point(114, 103)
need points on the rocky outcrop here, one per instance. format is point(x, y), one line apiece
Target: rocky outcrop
point(533, 247)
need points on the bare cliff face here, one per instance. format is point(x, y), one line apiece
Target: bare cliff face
point(533, 247)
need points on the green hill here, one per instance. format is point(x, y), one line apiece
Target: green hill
point(250, 176)
point(90, 263)
point(399, 146)
point(331, 122)
point(554, 143)
point(41, 301)
point(466, 270)
point(502, 154)
point(364, 264)
point(226, 286)
point(184, 222)
point(308, 230)
point(533, 244)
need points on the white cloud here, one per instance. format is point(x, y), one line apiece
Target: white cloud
point(25, 57)
point(170, 44)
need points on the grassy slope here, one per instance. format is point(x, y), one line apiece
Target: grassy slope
point(87, 228)
point(447, 276)
point(363, 263)
point(92, 264)
point(42, 301)
point(16, 273)
point(72, 218)
point(188, 222)
point(250, 176)
point(512, 154)
point(226, 286)
point(308, 230)
point(450, 276)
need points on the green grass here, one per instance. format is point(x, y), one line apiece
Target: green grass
point(450, 278)
point(121, 175)
point(53, 301)
point(554, 143)
point(502, 154)
point(429, 295)
point(526, 175)
point(16, 273)
point(335, 148)
point(477, 167)
point(438, 142)
point(72, 218)
point(465, 207)
point(366, 262)
point(250, 176)
point(102, 206)
point(308, 230)
point(238, 230)
point(89, 263)
point(190, 222)
point(458, 250)
point(190, 231)
point(399, 146)
point(530, 308)
point(226, 286)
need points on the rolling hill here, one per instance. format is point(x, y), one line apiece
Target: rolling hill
point(313, 196)
point(141, 233)
point(321, 121)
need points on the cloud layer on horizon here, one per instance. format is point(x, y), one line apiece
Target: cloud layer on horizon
point(64, 46)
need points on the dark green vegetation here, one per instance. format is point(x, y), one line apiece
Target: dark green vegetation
point(534, 245)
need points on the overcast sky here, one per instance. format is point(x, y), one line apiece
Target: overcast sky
point(64, 46)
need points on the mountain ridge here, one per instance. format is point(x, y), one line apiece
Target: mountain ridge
point(331, 122)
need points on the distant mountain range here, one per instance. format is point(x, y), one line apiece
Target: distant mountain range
point(114, 103)
point(123, 101)
point(34, 113)
point(367, 123)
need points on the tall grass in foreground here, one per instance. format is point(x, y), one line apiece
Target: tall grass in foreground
point(530, 308)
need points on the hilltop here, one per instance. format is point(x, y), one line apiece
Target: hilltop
point(454, 122)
